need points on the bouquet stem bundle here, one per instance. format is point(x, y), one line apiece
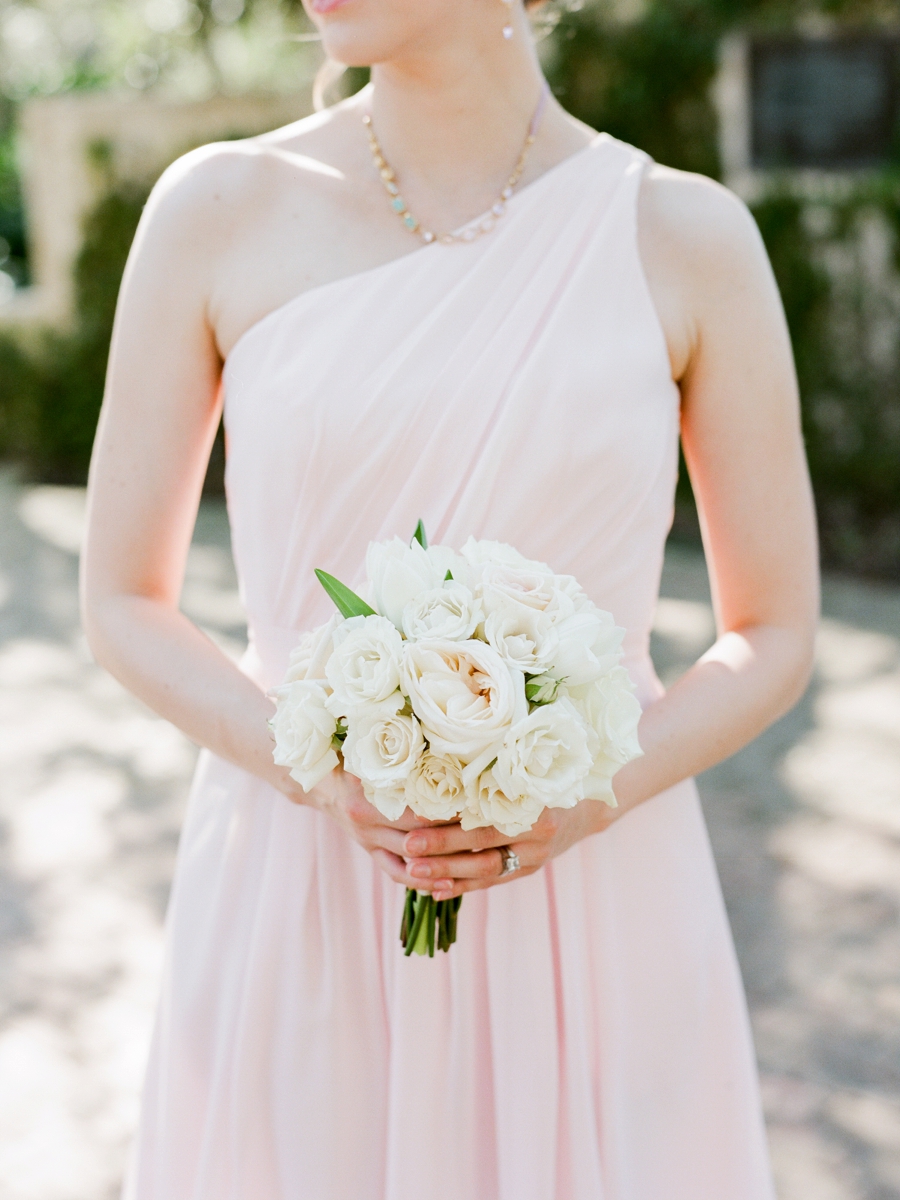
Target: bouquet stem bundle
point(428, 923)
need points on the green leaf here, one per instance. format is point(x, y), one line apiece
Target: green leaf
point(419, 535)
point(340, 734)
point(346, 601)
point(542, 689)
point(449, 575)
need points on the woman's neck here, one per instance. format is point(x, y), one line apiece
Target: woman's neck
point(457, 108)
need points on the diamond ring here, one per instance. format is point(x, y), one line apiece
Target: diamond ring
point(510, 860)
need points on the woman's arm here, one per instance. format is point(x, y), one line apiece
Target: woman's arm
point(159, 418)
point(718, 301)
point(719, 306)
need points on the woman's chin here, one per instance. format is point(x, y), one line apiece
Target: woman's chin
point(361, 32)
point(355, 46)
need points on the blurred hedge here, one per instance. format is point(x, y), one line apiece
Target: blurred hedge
point(646, 81)
point(51, 392)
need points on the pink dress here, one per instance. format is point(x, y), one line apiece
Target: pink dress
point(587, 1037)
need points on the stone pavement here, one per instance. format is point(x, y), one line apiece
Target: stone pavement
point(805, 824)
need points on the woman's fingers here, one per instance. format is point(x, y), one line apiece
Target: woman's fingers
point(409, 820)
point(396, 869)
point(384, 837)
point(485, 864)
point(459, 887)
point(451, 839)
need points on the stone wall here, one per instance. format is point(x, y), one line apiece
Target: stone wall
point(72, 145)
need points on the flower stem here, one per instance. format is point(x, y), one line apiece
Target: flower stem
point(421, 912)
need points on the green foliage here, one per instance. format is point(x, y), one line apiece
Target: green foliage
point(345, 599)
point(845, 329)
point(51, 394)
point(12, 217)
point(644, 81)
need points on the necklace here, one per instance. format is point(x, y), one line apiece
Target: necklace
point(474, 228)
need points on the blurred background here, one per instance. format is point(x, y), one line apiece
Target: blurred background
point(795, 105)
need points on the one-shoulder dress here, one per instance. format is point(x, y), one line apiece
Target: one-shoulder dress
point(587, 1036)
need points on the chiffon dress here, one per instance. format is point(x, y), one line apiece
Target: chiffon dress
point(587, 1036)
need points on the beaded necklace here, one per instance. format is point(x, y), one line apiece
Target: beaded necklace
point(474, 228)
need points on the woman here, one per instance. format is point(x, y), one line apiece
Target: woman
point(586, 1037)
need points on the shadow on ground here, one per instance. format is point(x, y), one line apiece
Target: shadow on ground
point(805, 824)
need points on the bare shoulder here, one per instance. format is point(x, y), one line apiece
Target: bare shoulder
point(224, 178)
point(703, 257)
point(239, 226)
point(693, 221)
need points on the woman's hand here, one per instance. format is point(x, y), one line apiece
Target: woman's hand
point(447, 861)
point(340, 796)
point(442, 858)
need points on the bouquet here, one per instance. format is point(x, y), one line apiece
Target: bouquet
point(475, 686)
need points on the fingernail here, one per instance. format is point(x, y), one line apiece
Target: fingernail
point(420, 870)
point(415, 845)
point(443, 890)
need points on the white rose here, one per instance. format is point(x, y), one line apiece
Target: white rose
point(611, 712)
point(464, 694)
point(308, 659)
point(487, 804)
point(383, 745)
point(435, 788)
point(610, 708)
point(545, 757)
point(390, 802)
point(449, 612)
point(479, 554)
point(598, 781)
point(533, 588)
point(523, 637)
point(589, 646)
point(364, 667)
point(303, 729)
point(569, 586)
point(399, 572)
point(495, 565)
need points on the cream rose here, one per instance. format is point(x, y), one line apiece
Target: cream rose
point(308, 659)
point(383, 746)
point(446, 612)
point(610, 708)
point(531, 587)
point(479, 554)
point(524, 637)
point(435, 788)
point(303, 729)
point(364, 667)
point(545, 757)
point(589, 646)
point(569, 586)
point(398, 572)
point(464, 694)
point(390, 801)
point(488, 804)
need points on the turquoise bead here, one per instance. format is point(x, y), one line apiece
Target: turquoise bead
point(410, 221)
point(398, 204)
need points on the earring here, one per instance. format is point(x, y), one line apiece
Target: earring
point(507, 28)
